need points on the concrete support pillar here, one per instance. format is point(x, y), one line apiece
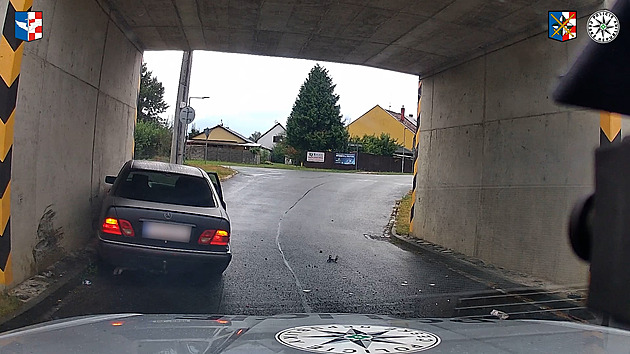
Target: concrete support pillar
point(73, 124)
point(501, 164)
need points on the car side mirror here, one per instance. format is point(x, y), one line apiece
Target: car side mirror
point(110, 179)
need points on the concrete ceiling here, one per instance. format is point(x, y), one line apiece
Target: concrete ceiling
point(411, 36)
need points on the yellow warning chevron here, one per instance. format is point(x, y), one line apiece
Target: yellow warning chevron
point(6, 137)
point(10, 61)
point(11, 51)
point(6, 276)
point(5, 207)
point(22, 5)
point(610, 125)
point(415, 162)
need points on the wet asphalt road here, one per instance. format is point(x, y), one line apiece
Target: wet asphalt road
point(285, 224)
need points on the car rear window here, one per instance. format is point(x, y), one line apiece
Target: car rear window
point(167, 188)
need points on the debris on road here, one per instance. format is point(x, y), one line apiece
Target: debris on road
point(404, 283)
point(432, 284)
point(86, 282)
point(30, 288)
point(574, 296)
point(306, 291)
point(332, 260)
point(499, 314)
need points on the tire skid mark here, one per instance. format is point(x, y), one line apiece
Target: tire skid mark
point(307, 307)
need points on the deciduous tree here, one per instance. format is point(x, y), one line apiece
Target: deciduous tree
point(151, 98)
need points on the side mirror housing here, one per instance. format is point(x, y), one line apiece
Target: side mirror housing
point(110, 179)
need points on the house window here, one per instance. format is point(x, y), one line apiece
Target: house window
point(277, 138)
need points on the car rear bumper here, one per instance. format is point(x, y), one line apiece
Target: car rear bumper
point(154, 258)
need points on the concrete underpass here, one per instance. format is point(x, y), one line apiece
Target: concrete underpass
point(499, 163)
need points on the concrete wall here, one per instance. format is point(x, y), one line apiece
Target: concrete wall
point(73, 125)
point(500, 164)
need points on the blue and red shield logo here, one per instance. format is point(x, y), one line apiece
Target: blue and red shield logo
point(29, 25)
point(562, 25)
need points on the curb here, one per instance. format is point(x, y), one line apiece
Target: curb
point(34, 290)
point(499, 279)
point(230, 176)
point(444, 253)
point(475, 269)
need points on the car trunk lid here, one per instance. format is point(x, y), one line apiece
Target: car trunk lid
point(176, 226)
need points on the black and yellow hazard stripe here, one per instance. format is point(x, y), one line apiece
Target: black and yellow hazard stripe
point(11, 50)
point(415, 160)
point(609, 128)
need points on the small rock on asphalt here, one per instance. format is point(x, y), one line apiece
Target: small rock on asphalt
point(500, 314)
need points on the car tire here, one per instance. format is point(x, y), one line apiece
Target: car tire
point(211, 275)
point(104, 268)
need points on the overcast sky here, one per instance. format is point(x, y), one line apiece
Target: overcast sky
point(249, 93)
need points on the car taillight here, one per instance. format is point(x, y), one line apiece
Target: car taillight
point(117, 227)
point(110, 226)
point(126, 228)
point(221, 238)
point(214, 238)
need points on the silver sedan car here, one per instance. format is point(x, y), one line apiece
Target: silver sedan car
point(161, 216)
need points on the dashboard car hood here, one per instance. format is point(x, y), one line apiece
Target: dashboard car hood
point(299, 333)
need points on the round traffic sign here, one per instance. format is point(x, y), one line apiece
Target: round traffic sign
point(187, 115)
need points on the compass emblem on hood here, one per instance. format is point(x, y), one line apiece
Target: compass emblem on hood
point(335, 338)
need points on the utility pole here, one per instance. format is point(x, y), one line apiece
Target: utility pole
point(402, 120)
point(402, 168)
point(179, 130)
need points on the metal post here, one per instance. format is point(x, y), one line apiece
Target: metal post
point(185, 140)
point(402, 169)
point(179, 130)
point(205, 154)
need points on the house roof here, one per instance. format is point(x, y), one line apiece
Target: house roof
point(408, 123)
point(270, 129)
point(202, 136)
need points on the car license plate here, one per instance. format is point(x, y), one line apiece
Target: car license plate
point(166, 232)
